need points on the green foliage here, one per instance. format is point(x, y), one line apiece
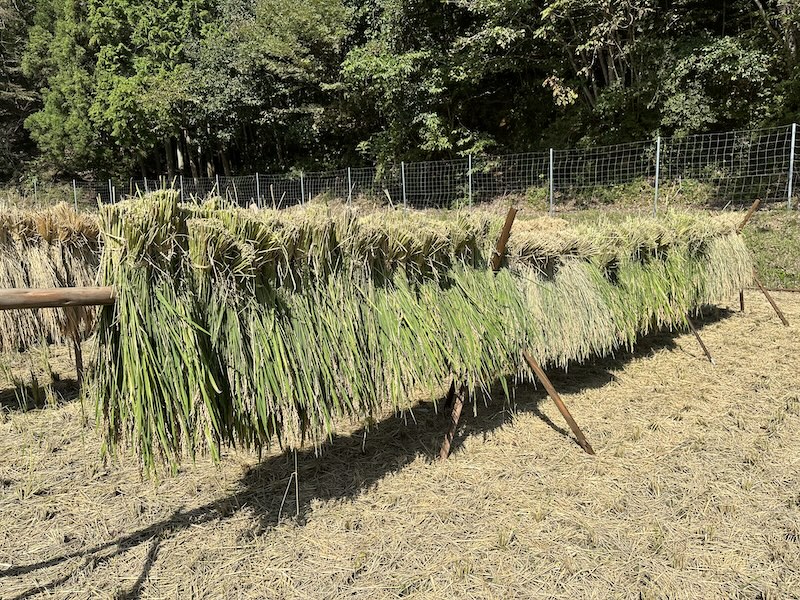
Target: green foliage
point(722, 84)
point(203, 86)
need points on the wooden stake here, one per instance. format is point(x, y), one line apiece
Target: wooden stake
point(76, 346)
point(457, 400)
point(582, 441)
point(505, 233)
point(770, 300)
point(451, 395)
point(700, 341)
point(741, 300)
point(458, 404)
point(753, 208)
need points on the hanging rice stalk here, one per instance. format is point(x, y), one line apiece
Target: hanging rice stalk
point(236, 327)
point(50, 248)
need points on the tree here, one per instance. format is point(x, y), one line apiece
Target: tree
point(17, 98)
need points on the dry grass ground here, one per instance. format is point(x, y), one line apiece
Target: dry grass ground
point(694, 493)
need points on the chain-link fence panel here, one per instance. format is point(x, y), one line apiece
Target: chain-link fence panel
point(731, 167)
point(736, 166)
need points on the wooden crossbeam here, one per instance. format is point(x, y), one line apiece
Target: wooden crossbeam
point(55, 297)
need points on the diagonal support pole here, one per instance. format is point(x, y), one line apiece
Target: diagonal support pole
point(750, 212)
point(769, 298)
point(502, 242)
point(757, 281)
point(700, 341)
point(582, 441)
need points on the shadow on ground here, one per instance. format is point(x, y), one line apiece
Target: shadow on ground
point(32, 396)
point(349, 465)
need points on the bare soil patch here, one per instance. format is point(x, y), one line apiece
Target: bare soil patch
point(694, 493)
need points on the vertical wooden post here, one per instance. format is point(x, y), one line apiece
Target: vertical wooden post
point(582, 441)
point(458, 405)
point(741, 300)
point(505, 233)
point(457, 399)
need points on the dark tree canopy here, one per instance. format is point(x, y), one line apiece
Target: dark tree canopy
point(128, 87)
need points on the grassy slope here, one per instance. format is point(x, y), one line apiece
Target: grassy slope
point(774, 238)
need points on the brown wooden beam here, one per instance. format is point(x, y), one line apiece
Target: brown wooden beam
point(458, 404)
point(751, 211)
point(770, 300)
point(582, 441)
point(700, 341)
point(505, 233)
point(11, 299)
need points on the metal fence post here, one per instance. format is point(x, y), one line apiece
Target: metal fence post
point(403, 179)
point(181, 180)
point(550, 178)
point(658, 173)
point(349, 186)
point(110, 192)
point(219, 189)
point(791, 165)
point(469, 175)
point(75, 194)
point(302, 189)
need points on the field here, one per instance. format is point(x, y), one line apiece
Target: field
point(693, 493)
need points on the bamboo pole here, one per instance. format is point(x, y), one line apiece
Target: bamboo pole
point(458, 405)
point(770, 300)
point(55, 297)
point(457, 399)
point(540, 374)
point(750, 212)
point(700, 341)
point(505, 233)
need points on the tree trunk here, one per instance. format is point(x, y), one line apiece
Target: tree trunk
point(226, 164)
point(192, 154)
point(170, 158)
point(181, 160)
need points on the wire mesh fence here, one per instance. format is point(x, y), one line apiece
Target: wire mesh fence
point(719, 168)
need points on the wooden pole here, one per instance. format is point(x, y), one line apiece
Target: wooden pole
point(458, 404)
point(770, 300)
point(753, 208)
point(457, 400)
point(582, 441)
point(55, 297)
point(764, 291)
point(451, 396)
point(700, 341)
point(505, 233)
point(76, 345)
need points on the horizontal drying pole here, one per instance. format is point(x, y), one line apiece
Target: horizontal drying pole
point(65, 297)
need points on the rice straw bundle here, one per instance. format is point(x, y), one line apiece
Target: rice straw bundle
point(55, 247)
point(242, 327)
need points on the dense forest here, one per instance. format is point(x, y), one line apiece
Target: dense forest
point(127, 87)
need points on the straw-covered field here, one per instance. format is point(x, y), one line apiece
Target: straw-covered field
point(693, 493)
point(241, 339)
